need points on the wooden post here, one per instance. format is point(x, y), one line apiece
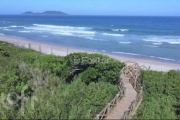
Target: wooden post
point(126, 114)
point(51, 50)
point(126, 117)
point(123, 117)
point(135, 83)
point(131, 105)
point(124, 91)
point(141, 91)
point(97, 117)
point(22, 45)
point(122, 71)
point(108, 109)
point(67, 51)
point(40, 48)
point(29, 45)
point(134, 104)
point(117, 98)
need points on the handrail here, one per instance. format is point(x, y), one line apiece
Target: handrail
point(108, 109)
point(144, 67)
point(132, 107)
point(134, 81)
point(135, 64)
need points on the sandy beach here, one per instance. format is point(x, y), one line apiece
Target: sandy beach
point(63, 51)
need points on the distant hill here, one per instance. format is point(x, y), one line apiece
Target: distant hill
point(45, 13)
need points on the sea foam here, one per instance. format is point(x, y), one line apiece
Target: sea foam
point(24, 31)
point(157, 43)
point(122, 30)
point(61, 30)
point(150, 46)
point(161, 58)
point(116, 35)
point(160, 40)
point(7, 29)
point(13, 26)
point(174, 42)
point(60, 27)
point(125, 42)
point(126, 53)
point(94, 39)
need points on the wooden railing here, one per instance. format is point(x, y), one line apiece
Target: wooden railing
point(133, 79)
point(139, 89)
point(133, 106)
point(130, 63)
point(144, 68)
point(108, 109)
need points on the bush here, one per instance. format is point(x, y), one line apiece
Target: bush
point(160, 96)
point(63, 90)
point(95, 67)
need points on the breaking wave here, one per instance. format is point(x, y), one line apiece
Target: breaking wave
point(160, 40)
point(110, 30)
point(161, 58)
point(122, 30)
point(60, 30)
point(115, 35)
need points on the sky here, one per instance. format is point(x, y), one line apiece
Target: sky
point(94, 7)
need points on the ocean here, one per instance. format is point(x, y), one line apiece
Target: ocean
point(147, 37)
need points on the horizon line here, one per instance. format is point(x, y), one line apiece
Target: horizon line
point(98, 15)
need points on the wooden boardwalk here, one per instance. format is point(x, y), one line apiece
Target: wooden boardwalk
point(126, 102)
point(123, 104)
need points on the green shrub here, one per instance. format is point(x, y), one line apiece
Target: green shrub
point(63, 90)
point(95, 67)
point(160, 96)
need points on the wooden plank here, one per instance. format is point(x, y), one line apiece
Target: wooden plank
point(130, 99)
point(125, 102)
point(122, 106)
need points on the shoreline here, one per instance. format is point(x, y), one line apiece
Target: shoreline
point(58, 50)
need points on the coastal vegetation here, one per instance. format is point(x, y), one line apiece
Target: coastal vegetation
point(161, 96)
point(38, 86)
point(78, 86)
